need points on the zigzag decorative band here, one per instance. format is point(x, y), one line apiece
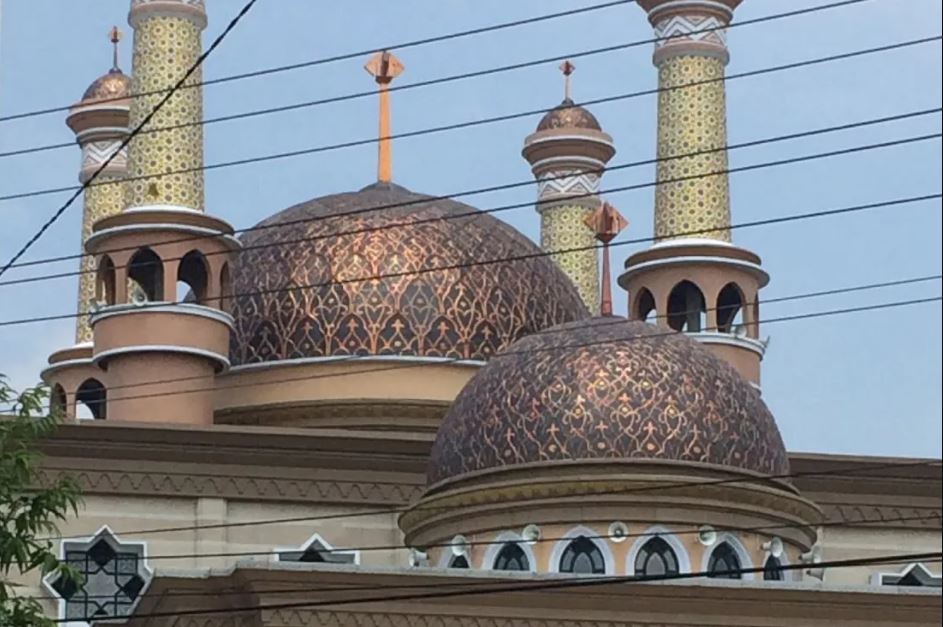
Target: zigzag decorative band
point(566, 182)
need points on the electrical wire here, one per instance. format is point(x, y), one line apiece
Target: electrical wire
point(472, 212)
point(453, 77)
point(523, 256)
point(127, 140)
point(386, 511)
point(343, 57)
point(615, 320)
point(501, 118)
point(579, 581)
point(838, 522)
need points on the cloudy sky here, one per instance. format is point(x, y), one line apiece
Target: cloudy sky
point(866, 383)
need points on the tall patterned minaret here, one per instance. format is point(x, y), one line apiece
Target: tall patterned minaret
point(176, 257)
point(100, 124)
point(567, 154)
point(166, 44)
point(693, 279)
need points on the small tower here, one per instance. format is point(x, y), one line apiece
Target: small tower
point(693, 279)
point(100, 123)
point(160, 327)
point(568, 153)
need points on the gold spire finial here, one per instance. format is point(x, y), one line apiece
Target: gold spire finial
point(605, 222)
point(384, 67)
point(114, 35)
point(567, 68)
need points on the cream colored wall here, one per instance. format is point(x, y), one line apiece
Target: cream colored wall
point(851, 543)
point(130, 517)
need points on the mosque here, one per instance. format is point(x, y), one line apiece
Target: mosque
point(384, 408)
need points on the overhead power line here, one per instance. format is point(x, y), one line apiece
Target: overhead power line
point(453, 77)
point(579, 581)
point(345, 56)
point(499, 118)
point(615, 320)
point(472, 212)
point(837, 522)
point(134, 132)
point(840, 471)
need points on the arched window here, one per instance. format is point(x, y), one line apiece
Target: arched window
point(773, 569)
point(459, 561)
point(511, 557)
point(729, 308)
point(57, 401)
point(582, 556)
point(645, 306)
point(686, 308)
point(91, 396)
point(724, 563)
point(147, 270)
point(656, 558)
point(225, 289)
point(105, 281)
point(192, 278)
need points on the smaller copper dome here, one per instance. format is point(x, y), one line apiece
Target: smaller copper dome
point(113, 85)
point(568, 114)
point(606, 389)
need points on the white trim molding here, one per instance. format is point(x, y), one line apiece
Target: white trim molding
point(742, 554)
point(315, 538)
point(503, 538)
point(556, 554)
point(658, 531)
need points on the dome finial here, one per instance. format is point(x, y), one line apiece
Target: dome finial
point(384, 67)
point(567, 68)
point(606, 222)
point(114, 35)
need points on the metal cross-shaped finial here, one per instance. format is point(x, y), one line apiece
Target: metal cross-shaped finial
point(114, 35)
point(567, 68)
point(605, 222)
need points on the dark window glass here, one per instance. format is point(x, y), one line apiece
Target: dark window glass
point(656, 558)
point(724, 563)
point(584, 557)
point(459, 561)
point(772, 569)
point(511, 557)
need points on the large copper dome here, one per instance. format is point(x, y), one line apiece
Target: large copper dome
point(606, 388)
point(299, 299)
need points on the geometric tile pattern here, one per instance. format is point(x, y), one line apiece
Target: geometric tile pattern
point(113, 575)
point(396, 280)
point(606, 389)
point(165, 47)
point(692, 119)
point(562, 228)
point(686, 28)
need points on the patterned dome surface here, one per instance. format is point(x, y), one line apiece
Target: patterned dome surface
point(568, 115)
point(606, 388)
point(426, 305)
point(114, 84)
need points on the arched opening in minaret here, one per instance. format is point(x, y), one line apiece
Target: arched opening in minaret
point(645, 306)
point(225, 289)
point(147, 271)
point(730, 304)
point(192, 278)
point(90, 400)
point(105, 281)
point(687, 310)
point(57, 401)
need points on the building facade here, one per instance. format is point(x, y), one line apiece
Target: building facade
point(381, 407)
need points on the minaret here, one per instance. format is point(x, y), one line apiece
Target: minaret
point(384, 67)
point(568, 153)
point(693, 279)
point(166, 45)
point(157, 348)
point(100, 123)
